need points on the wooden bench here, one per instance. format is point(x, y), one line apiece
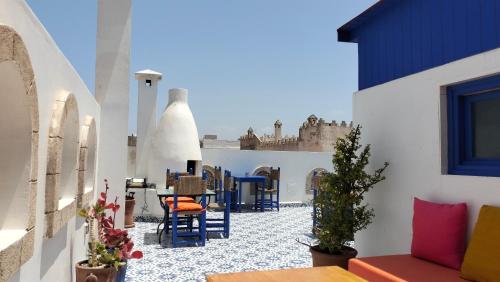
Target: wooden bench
point(316, 274)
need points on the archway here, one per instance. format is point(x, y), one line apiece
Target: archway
point(19, 153)
point(261, 171)
point(62, 165)
point(87, 162)
point(319, 171)
point(210, 174)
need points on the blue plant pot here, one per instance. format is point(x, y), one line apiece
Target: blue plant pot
point(122, 272)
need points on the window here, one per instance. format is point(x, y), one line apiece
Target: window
point(148, 82)
point(474, 127)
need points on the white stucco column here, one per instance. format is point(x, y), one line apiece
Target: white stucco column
point(147, 81)
point(112, 93)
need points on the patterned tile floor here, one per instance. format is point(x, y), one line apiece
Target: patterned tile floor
point(257, 241)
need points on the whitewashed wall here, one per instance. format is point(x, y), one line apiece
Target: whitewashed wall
point(53, 258)
point(295, 166)
point(402, 120)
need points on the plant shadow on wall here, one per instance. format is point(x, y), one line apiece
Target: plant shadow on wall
point(109, 248)
point(341, 211)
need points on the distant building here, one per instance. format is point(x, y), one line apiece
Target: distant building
point(314, 136)
point(210, 141)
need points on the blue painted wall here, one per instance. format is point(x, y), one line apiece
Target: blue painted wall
point(409, 36)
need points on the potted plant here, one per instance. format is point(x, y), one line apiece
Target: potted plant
point(341, 211)
point(109, 248)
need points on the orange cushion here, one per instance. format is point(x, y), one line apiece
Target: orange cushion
point(482, 258)
point(179, 199)
point(186, 206)
point(399, 268)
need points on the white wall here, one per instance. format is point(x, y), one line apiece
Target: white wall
point(402, 121)
point(53, 258)
point(294, 169)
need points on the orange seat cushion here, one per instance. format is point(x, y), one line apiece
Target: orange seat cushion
point(482, 258)
point(179, 199)
point(186, 206)
point(399, 268)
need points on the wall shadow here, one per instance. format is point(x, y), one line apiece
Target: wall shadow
point(51, 249)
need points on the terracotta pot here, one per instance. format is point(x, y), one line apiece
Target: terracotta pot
point(129, 213)
point(94, 274)
point(324, 258)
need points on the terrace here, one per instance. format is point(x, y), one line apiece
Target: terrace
point(427, 100)
point(258, 241)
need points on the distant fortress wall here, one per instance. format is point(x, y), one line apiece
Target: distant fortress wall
point(314, 136)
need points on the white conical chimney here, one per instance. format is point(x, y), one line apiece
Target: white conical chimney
point(175, 141)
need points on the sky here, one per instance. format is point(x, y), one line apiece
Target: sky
point(245, 63)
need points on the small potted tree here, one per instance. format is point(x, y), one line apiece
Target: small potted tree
point(341, 211)
point(109, 248)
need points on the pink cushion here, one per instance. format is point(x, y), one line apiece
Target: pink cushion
point(439, 232)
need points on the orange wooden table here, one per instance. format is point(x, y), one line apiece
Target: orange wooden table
point(316, 274)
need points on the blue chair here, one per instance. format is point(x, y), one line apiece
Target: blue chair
point(271, 188)
point(315, 184)
point(221, 225)
point(218, 189)
point(169, 182)
point(188, 186)
point(230, 186)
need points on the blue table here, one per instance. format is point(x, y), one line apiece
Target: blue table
point(249, 179)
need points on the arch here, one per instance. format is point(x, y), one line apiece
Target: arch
point(87, 162)
point(19, 124)
point(210, 173)
point(261, 171)
point(61, 183)
point(309, 177)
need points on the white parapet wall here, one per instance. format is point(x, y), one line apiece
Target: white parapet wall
point(295, 168)
point(52, 258)
point(402, 121)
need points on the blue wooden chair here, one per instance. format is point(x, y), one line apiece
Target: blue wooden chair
point(230, 186)
point(315, 184)
point(271, 188)
point(218, 189)
point(221, 225)
point(169, 182)
point(188, 186)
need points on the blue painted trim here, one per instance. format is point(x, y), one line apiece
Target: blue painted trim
point(460, 135)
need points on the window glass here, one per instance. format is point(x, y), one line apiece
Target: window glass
point(486, 128)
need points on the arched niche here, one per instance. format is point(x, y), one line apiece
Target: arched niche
point(210, 173)
point(61, 182)
point(19, 153)
point(318, 171)
point(87, 162)
point(261, 171)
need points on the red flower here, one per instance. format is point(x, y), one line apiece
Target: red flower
point(136, 255)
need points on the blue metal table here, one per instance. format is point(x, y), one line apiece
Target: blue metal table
point(249, 179)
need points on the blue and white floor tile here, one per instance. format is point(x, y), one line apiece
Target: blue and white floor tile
point(257, 241)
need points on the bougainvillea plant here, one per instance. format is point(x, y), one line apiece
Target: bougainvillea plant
point(108, 246)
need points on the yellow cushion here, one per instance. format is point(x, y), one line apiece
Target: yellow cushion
point(482, 258)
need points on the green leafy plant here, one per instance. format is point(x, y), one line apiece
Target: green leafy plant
point(340, 206)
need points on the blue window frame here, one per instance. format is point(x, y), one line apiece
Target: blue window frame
point(474, 127)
